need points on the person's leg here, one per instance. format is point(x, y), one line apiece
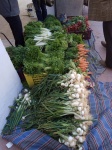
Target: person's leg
point(43, 8)
point(107, 29)
point(38, 9)
point(16, 27)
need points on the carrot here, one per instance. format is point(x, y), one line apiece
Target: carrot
point(81, 48)
point(80, 45)
point(87, 77)
point(89, 73)
point(82, 52)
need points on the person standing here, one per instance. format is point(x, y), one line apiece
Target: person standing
point(101, 10)
point(9, 9)
point(40, 8)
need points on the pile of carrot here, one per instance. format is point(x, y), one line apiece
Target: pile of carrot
point(83, 64)
point(82, 54)
point(82, 51)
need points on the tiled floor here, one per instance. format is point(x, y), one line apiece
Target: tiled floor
point(98, 33)
point(106, 76)
point(3, 145)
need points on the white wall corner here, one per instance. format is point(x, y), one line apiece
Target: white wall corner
point(10, 85)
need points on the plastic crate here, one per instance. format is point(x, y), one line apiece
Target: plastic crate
point(34, 79)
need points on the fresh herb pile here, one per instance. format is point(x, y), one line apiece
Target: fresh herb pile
point(21, 104)
point(58, 106)
point(32, 28)
point(47, 50)
point(54, 43)
point(51, 22)
point(16, 55)
point(35, 61)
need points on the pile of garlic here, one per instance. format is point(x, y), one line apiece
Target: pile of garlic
point(78, 99)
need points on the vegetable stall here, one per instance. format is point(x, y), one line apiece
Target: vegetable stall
point(56, 102)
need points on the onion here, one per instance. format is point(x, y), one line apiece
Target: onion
point(81, 85)
point(72, 76)
point(59, 140)
point(84, 127)
point(75, 90)
point(66, 143)
point(81, 139)
point(76, 86)
point(73, 95)
point(70, 139)
point(77, 95)
point(70, 97)
point(79, 90)
point(66, 84)
point(81, 132)
point(73, 144)
point(82, 113)
point(74, 133)
point(81, 104)
point(77, 137)
point(71, 85)
point(25, 90)
point(26, 95)
point(20, 95)
point(23, 118)
point(62, 84)
point(81, 125)
point(75, 103)
point(79, 108)
point(78, 130)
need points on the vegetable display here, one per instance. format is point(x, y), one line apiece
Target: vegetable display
point(63, 110)
point(58, 105)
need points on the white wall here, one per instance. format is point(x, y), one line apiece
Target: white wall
point(10, 85)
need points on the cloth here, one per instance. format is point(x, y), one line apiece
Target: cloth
point(9, 8)
point(40, 8)
point(16, 27)
point(100, 10)
point(35, 140)
point(93, 58)
point(107, 29)
point(100, 135)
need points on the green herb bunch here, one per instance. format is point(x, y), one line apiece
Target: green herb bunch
point(32, 28)
point(51, 21)
point(35, 62)
point(16, 55)
point(56, 50)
